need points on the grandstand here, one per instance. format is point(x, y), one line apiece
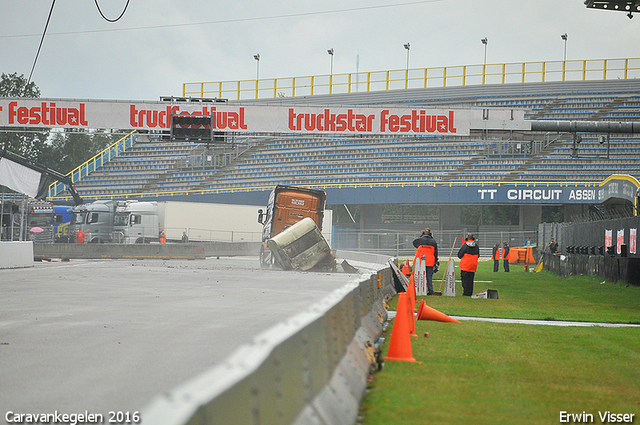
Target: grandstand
point(159, 166)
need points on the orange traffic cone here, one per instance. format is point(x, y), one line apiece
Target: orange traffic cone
point(412, 306)
point(411, 316)
point(411, 290)
point(420, 309)
point(427, 313)
point(400, 344)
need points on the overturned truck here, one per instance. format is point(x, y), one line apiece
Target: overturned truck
point(292, 226)
point(301, 247)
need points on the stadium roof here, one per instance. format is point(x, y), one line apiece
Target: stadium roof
point(629, 6)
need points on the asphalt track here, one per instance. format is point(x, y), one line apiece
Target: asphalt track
point(97, 336)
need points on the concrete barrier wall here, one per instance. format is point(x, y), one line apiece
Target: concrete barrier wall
point(155, 250)
point(310, 369)
point(16, 254)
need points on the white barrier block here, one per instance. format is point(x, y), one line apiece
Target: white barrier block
point(16, 254)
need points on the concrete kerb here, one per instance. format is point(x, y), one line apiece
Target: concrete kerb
point(310, 369)
point(547, 322)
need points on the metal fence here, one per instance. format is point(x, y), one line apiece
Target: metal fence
point(590, 234)
point(400, 243)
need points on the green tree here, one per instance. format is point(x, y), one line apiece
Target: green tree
point(553, 214)
point(498, 215)
point(14, 85)
point(28, 143)
point(59, 150)
point(70, 148)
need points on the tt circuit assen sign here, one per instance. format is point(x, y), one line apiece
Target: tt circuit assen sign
point(464, 194)
point(19, 112)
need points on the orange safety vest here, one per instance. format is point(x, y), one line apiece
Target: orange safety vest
point(428, 252)
point(498, 254)
point(163, 237)
point(469, 262)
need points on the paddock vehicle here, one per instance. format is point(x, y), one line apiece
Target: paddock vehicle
point(63, 216)
point(136, 222)
point(95, 220)
point(26, 220)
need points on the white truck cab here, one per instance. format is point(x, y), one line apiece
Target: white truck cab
point(136, 222)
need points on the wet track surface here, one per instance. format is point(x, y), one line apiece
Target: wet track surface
point(100, 336)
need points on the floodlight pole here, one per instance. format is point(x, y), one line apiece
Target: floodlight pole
point(485, 41)
point(331, 51)
point(257, 58)
point(408, 48)
point(406, 74)
point(564, 37)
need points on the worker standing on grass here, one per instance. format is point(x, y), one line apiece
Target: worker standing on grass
point(495, 256)
point(428, 247)
point(468, 255)
point(505, 254)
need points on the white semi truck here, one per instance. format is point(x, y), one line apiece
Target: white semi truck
point(133, 221)
point(136, 222)
point(95, 220)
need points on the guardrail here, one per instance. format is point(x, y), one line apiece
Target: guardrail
point(463, 75)
point(312, 368)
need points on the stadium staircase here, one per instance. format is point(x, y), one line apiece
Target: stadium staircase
point(256, 146)
point(522, 168)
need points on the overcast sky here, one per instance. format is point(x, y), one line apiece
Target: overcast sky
point(160, 44)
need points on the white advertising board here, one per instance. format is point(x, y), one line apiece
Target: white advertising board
point(62, 113)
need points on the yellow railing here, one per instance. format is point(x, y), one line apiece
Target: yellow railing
point(463, 75)
point(92, 164)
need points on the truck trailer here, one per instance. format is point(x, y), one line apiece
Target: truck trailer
point(301, 247)
point(287, 206)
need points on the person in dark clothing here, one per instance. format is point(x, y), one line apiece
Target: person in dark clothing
point(495, 256)
point(553, 246)
point(468, 255)
point(505, 254)
point(426, 245)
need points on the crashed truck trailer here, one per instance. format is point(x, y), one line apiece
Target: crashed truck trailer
point(287, 243)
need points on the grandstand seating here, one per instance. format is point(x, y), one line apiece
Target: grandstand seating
point(294, 159)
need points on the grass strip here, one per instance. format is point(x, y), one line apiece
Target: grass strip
point(496, 373)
